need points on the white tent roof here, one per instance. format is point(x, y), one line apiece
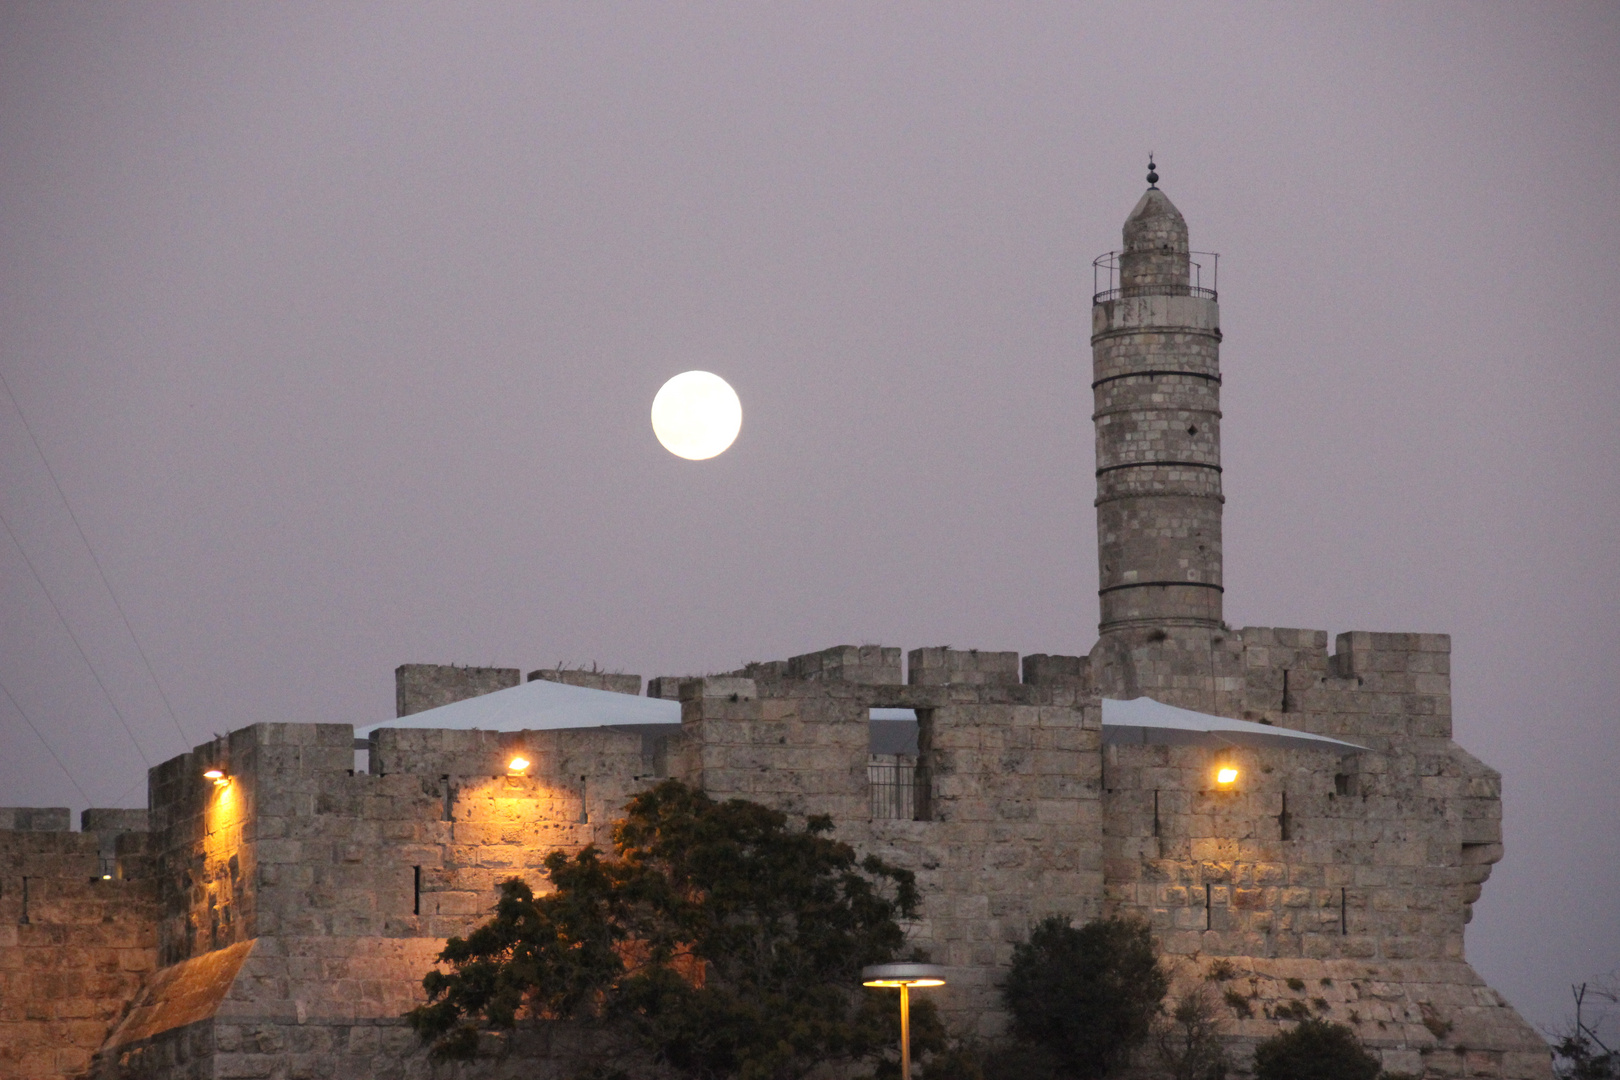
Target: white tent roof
point(1143, 720)
point(543, 706)
point(540, 706)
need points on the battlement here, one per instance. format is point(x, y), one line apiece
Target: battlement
point(77, 933)
point(1006, 805)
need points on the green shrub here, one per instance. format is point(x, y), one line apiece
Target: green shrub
point(1088, 996)
point(1315, 1050)
point(716, 940)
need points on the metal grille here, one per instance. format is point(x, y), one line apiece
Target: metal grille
point(892, 779)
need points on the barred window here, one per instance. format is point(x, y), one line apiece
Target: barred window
point(893, 782)
point(897, 772)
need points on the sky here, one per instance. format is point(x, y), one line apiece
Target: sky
point(337, 327)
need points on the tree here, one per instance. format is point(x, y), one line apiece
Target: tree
point(1188, 1042)
point(1315, 1050)
point(1085, 998)
point(716, 941)
point(1579, 1051)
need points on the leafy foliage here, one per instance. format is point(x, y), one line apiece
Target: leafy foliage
point(1187, 1042)
point(1085, 998)
point(717, 941)
point(1315, 1050)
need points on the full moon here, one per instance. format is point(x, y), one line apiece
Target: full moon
point(696, 415)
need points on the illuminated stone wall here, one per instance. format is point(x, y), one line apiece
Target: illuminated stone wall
point(76, 940)
point(295, 908)
point(301, 904)
point(1337, 885)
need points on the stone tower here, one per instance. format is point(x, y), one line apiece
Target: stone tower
point(1156, 378)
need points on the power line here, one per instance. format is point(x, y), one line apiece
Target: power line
point(93, 672)
point(185, 740)
point(46, 745)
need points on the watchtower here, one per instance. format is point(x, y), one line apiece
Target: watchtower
point(1156, 380)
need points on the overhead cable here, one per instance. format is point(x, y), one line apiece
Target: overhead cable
point(185, 740)
point(42, 741)
point(75, 639)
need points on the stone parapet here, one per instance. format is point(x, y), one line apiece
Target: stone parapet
point(1041, 669)
point(848, 663)
point(419, 687)
point(968, 667)
point(35, 818)
point(591, 679)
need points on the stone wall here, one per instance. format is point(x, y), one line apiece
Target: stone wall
point(77, 935)
point(1359, 868)
point(302, 903)
point(295, 907)
point(594, 680)
point(419, 687)
point(1009, 800)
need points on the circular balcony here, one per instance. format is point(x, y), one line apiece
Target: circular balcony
point(1106, 286)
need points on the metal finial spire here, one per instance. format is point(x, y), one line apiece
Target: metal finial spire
point(1153, 176)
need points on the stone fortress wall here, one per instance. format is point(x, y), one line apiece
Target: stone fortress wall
point(295, 910)
point(279, 924)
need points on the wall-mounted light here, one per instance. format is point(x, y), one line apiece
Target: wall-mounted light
point(1226, 775)
point(517, 764)
point(218, 776)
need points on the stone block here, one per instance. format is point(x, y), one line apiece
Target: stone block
point(945, 666)
point(36, 818)
point(97, 820)
point(1042, 669)
point(667, 687)
point(721, 688)
point(419, 687)
point(872, 665)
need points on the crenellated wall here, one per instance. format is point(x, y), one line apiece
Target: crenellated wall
point(288, 915)
point(78, 932)
point(1011, 806)
point(1358, 868)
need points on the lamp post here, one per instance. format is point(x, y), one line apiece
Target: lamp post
point(905, 976)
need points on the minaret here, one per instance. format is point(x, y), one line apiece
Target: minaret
point(1156, 379)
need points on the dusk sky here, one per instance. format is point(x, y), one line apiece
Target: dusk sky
point(339, 326)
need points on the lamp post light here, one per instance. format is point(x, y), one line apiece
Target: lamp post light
point(905, 976)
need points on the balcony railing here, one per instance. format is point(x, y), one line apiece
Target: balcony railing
point(1105, 284)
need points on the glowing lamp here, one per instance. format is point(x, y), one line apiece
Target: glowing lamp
point(903, 976)
point(217, 776)
point(518, 764)
point(1225, 775)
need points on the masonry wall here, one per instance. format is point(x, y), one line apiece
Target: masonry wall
point(291, 912)
point(303, 903)
point(76, 941)
point(1012, 796)
point(1335, 884)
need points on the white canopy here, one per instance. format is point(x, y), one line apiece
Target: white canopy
point(1143, 720)
point(539, 706)
point(543, 706)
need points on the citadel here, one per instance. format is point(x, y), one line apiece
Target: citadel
point(272, 912)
